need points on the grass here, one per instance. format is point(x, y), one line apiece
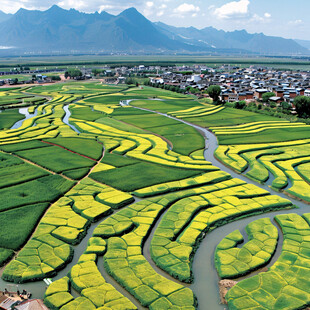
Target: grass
point(40, 190)
point(148, 121)
point(166, 105)
point(20, 173)
point(23, 146)
point(286, 283)
point(229, 117)
point(87, 147)
point(185, 139)
point(56, 158)
point(118, 160)
point(234, 262)
point(76, 174)
point(5, 256)
point(132, 177)
point(267, 136)
point(24, 219)
point(9, 118)
point(119, 125)
point(84, 113)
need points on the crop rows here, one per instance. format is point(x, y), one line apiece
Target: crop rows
point(233, 262)
point(286, 284)
point(281, 160)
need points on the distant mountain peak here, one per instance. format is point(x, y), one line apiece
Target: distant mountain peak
point(128, 32)
point(130, 12)
point(55, 7)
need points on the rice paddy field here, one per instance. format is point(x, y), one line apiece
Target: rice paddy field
point(140, 198)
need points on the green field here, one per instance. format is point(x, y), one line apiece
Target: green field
point(133, 189)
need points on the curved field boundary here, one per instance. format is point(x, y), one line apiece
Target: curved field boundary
point(286, 284)
point(233, 262)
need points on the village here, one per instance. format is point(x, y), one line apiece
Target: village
point(237, 84)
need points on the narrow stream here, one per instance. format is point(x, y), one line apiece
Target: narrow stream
point(66, 119)
point(28, 115)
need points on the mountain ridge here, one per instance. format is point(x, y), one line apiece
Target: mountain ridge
point(58, 29)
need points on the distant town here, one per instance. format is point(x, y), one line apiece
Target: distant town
point(237, 84)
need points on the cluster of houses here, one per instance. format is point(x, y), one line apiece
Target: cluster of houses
point(19, 301)
point(241, 83)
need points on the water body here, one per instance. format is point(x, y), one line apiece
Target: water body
point(66, 119)
point(28, 115)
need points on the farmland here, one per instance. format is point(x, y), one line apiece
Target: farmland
point(112, 191)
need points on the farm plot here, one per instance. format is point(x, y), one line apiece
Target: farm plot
point(56, 158)
point(65, 223)
point(281, 160)
point(151, 155)
point(120, 239)
point(197, 111)
point(286, 284)
point(261, 132)
point(182, 227)
point(233, 262)
point(146, 147)
point(9, 118)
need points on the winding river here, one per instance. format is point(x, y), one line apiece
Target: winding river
point(205, 285)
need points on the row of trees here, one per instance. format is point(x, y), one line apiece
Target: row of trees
point(284, 110)
point(213, 91)
point(163, 86)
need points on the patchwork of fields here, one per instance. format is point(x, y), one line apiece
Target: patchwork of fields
point(122, 168)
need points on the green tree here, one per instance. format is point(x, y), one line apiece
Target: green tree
point(240, 105)
point(73, 73)
point(302, 104)
point(214, 92)
point(55, 78)
point(96, 72)
point(285, 105)
point(267, 96)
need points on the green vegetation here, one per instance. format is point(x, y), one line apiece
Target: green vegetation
point(24, 219)
point(55, 182)
point(302, 104)
point(129, 178)
point(286, 284)
point(182, 227)
point(55, 158)
point(214, 92)
point(281, 159)
point(233, 262)
point(5, 256)
point(40, 190)
point(87, 147)
point(9, 118)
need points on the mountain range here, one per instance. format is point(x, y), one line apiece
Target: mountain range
point(57, 30)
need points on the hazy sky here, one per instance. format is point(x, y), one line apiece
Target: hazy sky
point(286, 18)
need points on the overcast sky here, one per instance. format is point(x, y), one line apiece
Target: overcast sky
point(286, 18)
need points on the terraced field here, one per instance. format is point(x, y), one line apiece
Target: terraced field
point(107, 191)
